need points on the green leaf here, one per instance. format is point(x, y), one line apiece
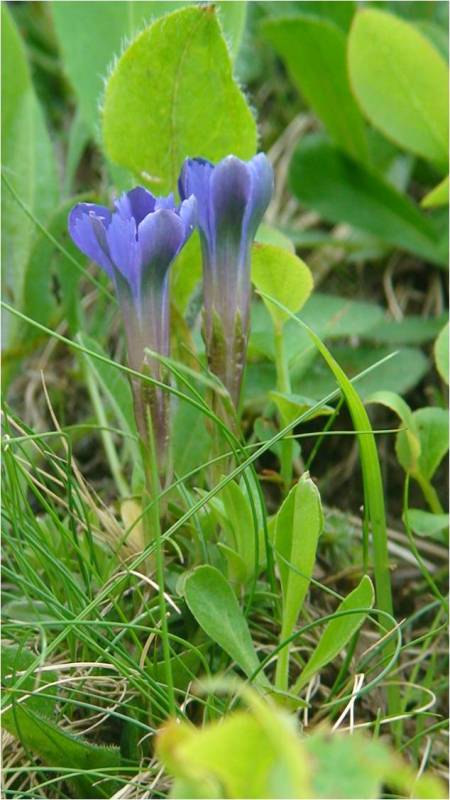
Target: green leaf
point(339, 631)
point(438, 196)
point(282, 275)
point(298, 526)
point(239, 515)
point(172, 95)
point(340, 13)
point(427, 524)
point(410, 330)
point(400, 82)
point(342, 190)
point(267, 234)
point(190, 440)
point(42, 700)
point(30, 722)
point(314, 51)
point(48, 267)
point(91, 36)
point(336, 317)
point(213, 603)
point(399, 374)
point(117, 391)
point(433, 428)
point(441, 353)
point(27, 163)
point(255, 754)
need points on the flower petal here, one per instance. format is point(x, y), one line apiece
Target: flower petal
point(195, 179)
point(165, 202)
point(160, 237)
point(87, 225)
point(136, 204)
point(125, 252)
point(262, 184)
point(188, 212)
point(230, 193)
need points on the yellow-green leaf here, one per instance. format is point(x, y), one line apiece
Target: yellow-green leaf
point(172, 95)
point(400, 82)
point(281, 275)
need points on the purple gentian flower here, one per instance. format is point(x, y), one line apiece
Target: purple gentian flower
point(232, 198)
point(135, 244)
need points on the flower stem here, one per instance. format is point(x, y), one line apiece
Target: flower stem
point(152, 528)
point(429, 493)
point(284, 387)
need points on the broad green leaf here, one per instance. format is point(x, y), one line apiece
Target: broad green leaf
point(438, 196)
point(172, 95)
point(213, 603)
point(252, 755)
point(410, 330)
point(339, 631)
point(400, 82)
point(399, 374)
point(441, 352)
point(314, 51)
point(432, 425)
point(282, 275)
point(298, 526)
point(91, 35)
point(334, 317)
point(342, 190)
point(27, 163)
point(427, 524)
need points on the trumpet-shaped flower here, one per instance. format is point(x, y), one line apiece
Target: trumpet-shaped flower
point(232, 198)
point(135, 244)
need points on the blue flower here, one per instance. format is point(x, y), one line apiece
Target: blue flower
point(136, 244)
point(231, 198)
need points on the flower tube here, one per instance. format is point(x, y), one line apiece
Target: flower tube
point(232, 198)
point(135, 244)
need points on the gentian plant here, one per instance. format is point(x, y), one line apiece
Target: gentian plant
point(136, 244)
point(232, 197)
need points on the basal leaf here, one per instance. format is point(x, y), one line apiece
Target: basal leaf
point(400, 82)
point(314, 51)
point(342, 190)
point(298, 526)
point(213, 603)
point(339, 631)
point(172, 95)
